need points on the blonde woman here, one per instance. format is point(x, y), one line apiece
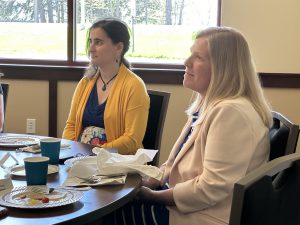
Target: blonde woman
point(110, 104)
point(226, 136)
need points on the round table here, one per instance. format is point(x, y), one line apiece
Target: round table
point(96, 203)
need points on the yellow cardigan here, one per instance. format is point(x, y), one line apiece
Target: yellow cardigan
point(125, 115)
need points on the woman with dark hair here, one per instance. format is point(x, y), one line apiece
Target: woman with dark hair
point(110, 104)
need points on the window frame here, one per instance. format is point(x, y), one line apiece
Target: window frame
point(71, 48)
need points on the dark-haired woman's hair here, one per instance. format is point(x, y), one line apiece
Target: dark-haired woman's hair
point(117, 31)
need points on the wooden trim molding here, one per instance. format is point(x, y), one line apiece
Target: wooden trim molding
point(54, 74)
point(52, 120)
point(149, 75)
point(71, 31)
point(280, 80)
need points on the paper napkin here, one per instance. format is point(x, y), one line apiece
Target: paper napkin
point(114, 163)
point(112, 168)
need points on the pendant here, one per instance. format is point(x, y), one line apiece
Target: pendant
point(104, 87)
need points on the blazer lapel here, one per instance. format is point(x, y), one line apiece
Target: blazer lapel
point(186, 147)
point(176, 154)
point(175, 151)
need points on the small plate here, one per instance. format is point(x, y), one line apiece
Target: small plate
point(87, 158)
point(60, 197)
point(18, 141)
point(20, 170)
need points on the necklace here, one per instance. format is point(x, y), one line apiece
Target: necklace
point(105, 84)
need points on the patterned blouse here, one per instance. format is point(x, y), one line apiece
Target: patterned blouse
point(93, 121)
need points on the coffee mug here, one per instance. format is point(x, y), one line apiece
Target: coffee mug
point(36, 170)
point(50, 147)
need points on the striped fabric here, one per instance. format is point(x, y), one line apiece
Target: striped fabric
point(138, 214)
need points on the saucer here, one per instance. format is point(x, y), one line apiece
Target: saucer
point(20, 170)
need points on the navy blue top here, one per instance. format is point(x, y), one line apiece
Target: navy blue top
point(93, 114)
point(1, 91)
point(195, 117)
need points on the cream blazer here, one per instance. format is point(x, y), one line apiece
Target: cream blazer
point(230, 142)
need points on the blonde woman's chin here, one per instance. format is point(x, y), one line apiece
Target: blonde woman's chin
point(187, 83)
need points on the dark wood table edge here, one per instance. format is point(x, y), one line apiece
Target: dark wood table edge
point(98, 214)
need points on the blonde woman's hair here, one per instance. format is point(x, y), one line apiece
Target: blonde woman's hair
point(233, 73)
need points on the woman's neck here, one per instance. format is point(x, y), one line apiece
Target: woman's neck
point(109, 72)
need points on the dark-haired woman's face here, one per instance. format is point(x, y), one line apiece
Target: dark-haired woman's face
point(103, 52)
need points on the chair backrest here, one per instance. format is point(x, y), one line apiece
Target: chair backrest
point(283, 136)
point(159, 101)
point(5, 88)
point(260, 200)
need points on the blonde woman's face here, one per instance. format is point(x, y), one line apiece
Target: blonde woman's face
point(197, 67)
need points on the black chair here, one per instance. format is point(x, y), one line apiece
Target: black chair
point(259, 200)
point(283, 136)
point(159, 101)
point(5, 88)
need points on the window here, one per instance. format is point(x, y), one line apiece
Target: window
point(161, 30)
point(33, 29)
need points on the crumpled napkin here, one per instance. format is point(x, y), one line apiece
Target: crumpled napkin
point(87, 167)
point(114, 163)
point(84, 168)
point(112, 168)
point(37, 148)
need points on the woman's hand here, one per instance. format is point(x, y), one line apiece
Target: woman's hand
point(144, 195)
point(164, 197)
point(151, 183)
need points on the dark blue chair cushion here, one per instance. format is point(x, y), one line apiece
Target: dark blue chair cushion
point(278, 141)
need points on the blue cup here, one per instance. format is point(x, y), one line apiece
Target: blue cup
point(36, 170)
point(50, 147)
